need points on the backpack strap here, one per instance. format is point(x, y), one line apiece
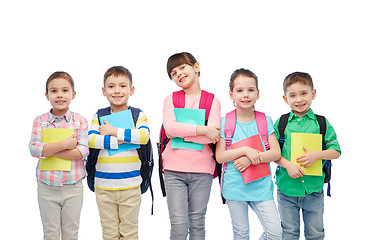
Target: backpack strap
point(103, 112)
point(323, 128)
point(261, 121)
point(281, 128)
point(179, 99)
point(230, 122)
point(206, 102)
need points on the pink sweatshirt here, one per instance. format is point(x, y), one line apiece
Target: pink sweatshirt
point(186, 160)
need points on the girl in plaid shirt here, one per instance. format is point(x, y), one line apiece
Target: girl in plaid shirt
point(60, 192)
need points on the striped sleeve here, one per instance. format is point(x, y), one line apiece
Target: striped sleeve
point(138, 135)
point(100, 141)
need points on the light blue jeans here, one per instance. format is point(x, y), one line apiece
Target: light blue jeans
point(312, 206)
point(187, 196)
point(266, 212)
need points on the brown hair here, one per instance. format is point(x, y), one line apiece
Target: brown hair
point(117, 71)
point(242, 72)
point(178, 59)
point(63, 75)
point(296, 77)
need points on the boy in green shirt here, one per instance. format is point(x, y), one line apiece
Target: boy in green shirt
point(295, 189)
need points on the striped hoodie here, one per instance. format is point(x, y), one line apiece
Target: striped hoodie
point(119, 171)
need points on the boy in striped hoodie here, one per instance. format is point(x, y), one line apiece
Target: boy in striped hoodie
point(117, 176)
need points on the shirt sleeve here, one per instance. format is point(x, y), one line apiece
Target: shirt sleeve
point(138, 135)
point(100, 141)
point(83, 138)
point(330, 138)
point(36, 144)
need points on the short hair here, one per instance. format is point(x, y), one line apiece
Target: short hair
point(63, 75)
point(296, 77)
point(118, 71)
point(178, 59)
point(242, 72)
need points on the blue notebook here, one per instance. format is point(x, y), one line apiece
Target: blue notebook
point(188, 116)
point(121, 120)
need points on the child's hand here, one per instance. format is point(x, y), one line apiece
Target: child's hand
point(121, 142)
point(294, 171)
point(242, 163)
point(211, 132)
point(308, 158)
point(70, 142)
point(253, 155)
point(107, 129)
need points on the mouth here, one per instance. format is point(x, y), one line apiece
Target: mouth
point(300, 105)
point(182, 79)
point(117, 97)
point(59, 102)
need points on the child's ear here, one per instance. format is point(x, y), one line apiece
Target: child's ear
point(257, 94)
point(285, 99)
point(103, 91)
point(313, 94)
point(132, 90)
point(196, 67)
point(46, 94)
point(231, 95)
point(73, 95)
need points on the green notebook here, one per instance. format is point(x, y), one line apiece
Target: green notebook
point(188, 116)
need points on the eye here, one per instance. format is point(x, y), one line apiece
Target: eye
point(182, 67)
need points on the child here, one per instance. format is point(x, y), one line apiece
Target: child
point(117, 176)
point(60, 193)
point(257, 194)
point(295, 190)
point(188, 173)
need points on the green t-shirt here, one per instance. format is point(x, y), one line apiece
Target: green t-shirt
point(297, 187)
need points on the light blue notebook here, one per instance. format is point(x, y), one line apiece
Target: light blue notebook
point(188, 116)
point(121, 120)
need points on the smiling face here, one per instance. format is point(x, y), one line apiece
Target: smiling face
point(185, 76)
point(117, 89)
point(59, 93)
point(244, 93)
point(299, 96)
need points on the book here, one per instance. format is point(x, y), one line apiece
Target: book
point(188, 116)
point(313, 142)
point(124, 120)
point(253, 172)
point(52, 163)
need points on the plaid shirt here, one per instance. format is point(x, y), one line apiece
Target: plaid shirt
point(77, 172)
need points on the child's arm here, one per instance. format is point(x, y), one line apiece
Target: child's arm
point(138, 135)
point(224, 156)
point(293, 170)
point(211, 132)
point(98, 140)
point(274, 152)
point(311, 157)
point(189, 132)
point(81, 149)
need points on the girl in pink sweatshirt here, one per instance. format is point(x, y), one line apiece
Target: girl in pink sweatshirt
point(188, 173)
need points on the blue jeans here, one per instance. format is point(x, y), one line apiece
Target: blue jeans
point(187, 196)
point(266, 212)
point(312, 206)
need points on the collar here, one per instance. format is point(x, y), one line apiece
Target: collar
point(310, 114)
point(67, 116)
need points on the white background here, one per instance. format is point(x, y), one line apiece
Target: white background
point(271, 38)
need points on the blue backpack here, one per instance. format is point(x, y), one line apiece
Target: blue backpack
point(145, 154)
point(323, 127)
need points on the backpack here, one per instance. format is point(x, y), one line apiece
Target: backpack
point(179, 102)
point(145, 154)
point(322, 124)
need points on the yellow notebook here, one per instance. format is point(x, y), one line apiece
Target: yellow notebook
point(313, 142)
point(54, 135)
